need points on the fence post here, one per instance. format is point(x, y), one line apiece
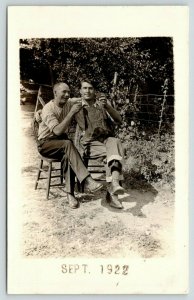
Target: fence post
point(135, 112)
point(114, 89)
point(165, 88)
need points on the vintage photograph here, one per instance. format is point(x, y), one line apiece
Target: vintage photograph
point(101, 111)
point(97, 130)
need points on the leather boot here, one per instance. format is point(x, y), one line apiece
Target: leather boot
point(91, 185)
point(113, 201)
point(73, 202)
point(116, 188)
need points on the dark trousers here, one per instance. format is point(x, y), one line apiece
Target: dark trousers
point(66, 152)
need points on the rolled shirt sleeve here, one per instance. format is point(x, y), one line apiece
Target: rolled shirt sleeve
point(49, 116)
point(50, 121)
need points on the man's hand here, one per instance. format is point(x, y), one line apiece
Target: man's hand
point(76, 107)
point(75, 100)
point(112, 112)
point(62, 127)
point(102, 100)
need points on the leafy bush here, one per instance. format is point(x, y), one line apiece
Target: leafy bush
point(152, 160)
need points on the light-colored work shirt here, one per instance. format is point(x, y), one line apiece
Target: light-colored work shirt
point(52, 115)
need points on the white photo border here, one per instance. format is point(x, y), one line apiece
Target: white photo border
point(3, 118)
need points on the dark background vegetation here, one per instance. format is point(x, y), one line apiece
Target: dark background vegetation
point(143, 61)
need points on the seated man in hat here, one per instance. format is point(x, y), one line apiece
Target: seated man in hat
point(53, 140)
point(98, 138)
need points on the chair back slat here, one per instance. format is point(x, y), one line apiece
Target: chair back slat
point(35, 127)
point(45, 94)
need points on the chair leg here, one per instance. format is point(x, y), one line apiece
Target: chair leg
point(61, 173)
point(80, 187)
point(49, 180)
point(86, 160)
point(38, 175)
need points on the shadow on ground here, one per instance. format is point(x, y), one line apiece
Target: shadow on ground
point(133, 200)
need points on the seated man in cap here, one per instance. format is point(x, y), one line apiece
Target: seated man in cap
point(98, 138)
point(53, 140)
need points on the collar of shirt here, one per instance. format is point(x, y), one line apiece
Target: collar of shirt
point(85, 104)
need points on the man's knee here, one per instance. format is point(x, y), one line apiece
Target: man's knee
point(68, 145)
point(115, 164)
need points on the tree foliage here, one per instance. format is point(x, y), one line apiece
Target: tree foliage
point(145, 62)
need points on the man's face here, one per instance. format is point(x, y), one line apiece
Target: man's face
point(62, 93)
point(87, 91)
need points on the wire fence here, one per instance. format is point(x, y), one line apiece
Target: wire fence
point(150, 111)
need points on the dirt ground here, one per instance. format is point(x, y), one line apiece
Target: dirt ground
point(144, 228)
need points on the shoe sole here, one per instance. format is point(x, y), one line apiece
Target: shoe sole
point(96, 190)
point(111, 204)
point(74, 206)
point(119, 192)
point(114, 206)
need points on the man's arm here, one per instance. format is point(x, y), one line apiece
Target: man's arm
point(112, 112)
point(62, 127)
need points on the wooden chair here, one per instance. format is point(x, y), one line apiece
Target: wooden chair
point(45, 94)
point(47, 166)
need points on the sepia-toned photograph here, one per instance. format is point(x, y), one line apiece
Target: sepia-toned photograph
point(101, 112)
point(95, 158)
